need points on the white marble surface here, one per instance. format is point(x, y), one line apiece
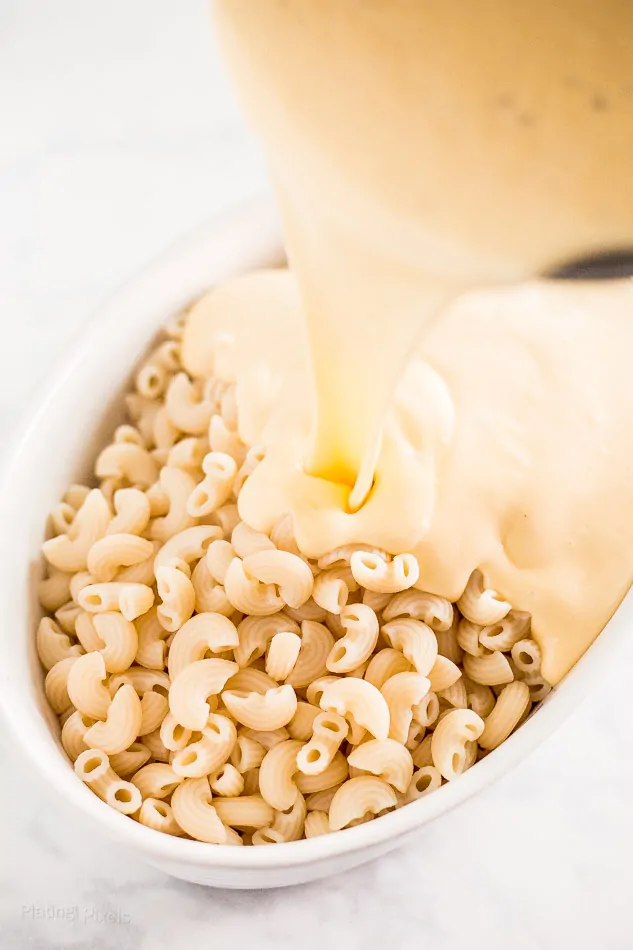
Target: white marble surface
point(117, 134)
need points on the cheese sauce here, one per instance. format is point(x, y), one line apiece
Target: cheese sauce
point(420, 152)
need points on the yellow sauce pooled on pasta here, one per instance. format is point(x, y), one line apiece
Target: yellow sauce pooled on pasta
point(421, 151)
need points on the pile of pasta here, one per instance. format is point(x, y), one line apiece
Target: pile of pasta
point(212, 682)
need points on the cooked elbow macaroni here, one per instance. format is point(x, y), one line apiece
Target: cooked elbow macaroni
point(266, 696)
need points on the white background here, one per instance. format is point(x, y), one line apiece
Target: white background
point(118, 133)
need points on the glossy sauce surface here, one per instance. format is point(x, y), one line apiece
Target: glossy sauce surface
point(419, 151)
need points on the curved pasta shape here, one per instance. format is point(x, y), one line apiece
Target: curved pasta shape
point(336, 772)
point(422, 755)
point(114, 551)
point(526, 655)
point(187, 546)
point(86, 632)
point(193, 812)
point(447, 643)
point(490, 670)
point(77, 584)
point(538, 686)
point(131, 759)
point(317, 823)
point(159, 816)
point(224, 439)
point(480, 604)
point(342, 556)
point(54, 591)
point(508, 631)
point(268, 711)
point(86, 687)
point(156, 780)
point(415, 736)
point(385, 664)
point(120, 640)
point(449, 740)
point(192, 687)
point(73, 732)
point(76, 494)
point(177, 485)
point(154, 742)
point(332, 588)
point(358, 797)
point(227, 518)
point(316, 644)
point(227, 781)
point(376, 600)
point(53, 645)
point(385, 758)
point(300, 726)
point(289, 825)
point(132, 512)
point(255, 633)
point(173, 736)
point(254, 456)
point(321, 801)
point(468, 638)
point(61, 518)
point(164, 435)
point(361, 635)
point(283, 535)
point(246, 541)
point(131, 600)
point(276, 775)
point(178, 598)
point(427, 710)
point(359, 699)
point(69, 552)
point(151, 650)
point(150, 380)
point(248, 594)
point(512, 703)
point(328, 732)
point(416, 640)
point(456, 694)
point(247, 754)
point(282, 654)
point(217, 559)
point(247, 811)
point(251, 680)
point(143, 681)
point(208, 753)
point(188, 454)
point(436, 612)
point(424, 780)
point(93, 768)
point(186, 406)
point(121, 725)
point(309, 611)
point(210, 632)
point(372, 572)
point(142, 573)
point(314, 692)
point(216, 488)
point(443, 674)
point(125, 461)
point(210, 596)
point(402, 693)
point(480, 699)
point(66, 617)
point(286, 571)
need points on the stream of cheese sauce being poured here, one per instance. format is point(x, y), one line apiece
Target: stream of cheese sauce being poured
point(419, 151)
